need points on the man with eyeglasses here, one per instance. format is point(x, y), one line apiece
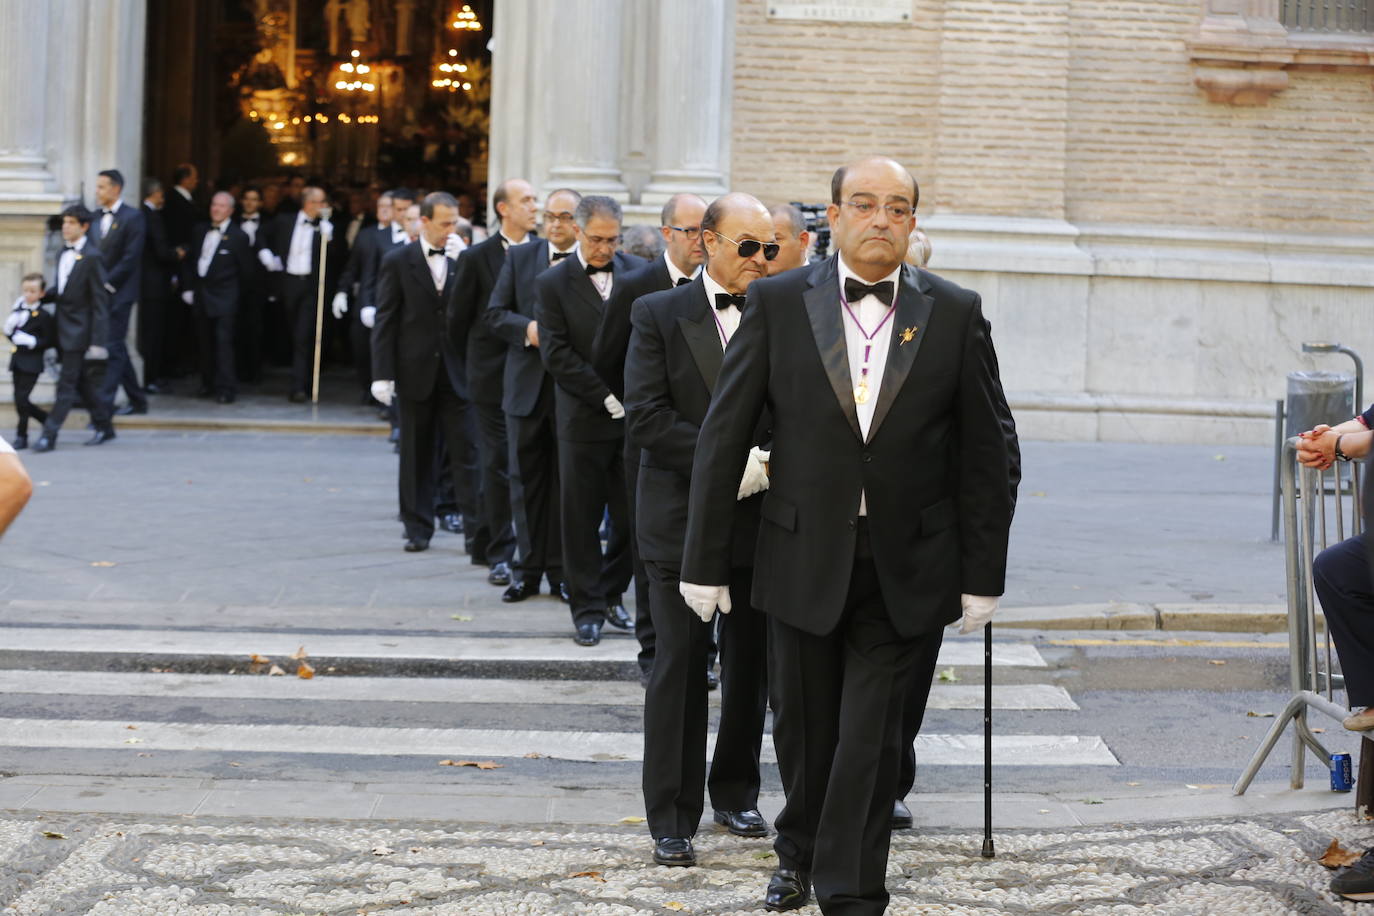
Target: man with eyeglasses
point(528, 401)
point(679, 265)
point(886, 518)
point(675, 352)
point(570, 298)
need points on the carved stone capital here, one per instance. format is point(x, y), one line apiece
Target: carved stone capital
point(1240, 85)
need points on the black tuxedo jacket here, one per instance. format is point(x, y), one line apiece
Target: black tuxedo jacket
point(121, 251)
point(409, 345)
point(478, 269)
point(935, 467)
point(568, 308)
point(218, 292)
point(276, 238)
point(508, 313)
point(371, 243)
point(160, 261)
point(671, 368)
point(255, 282)
point(43, 327)
point(83, 306)
point(181, 216)
point(613, 333)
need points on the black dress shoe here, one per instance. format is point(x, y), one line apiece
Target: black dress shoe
point(901, 815)
point(787, 890)
point(20, 443)
point(394, 437)
point(451, 522)
point(499, 575)
point(588, 634)
point(674, 850)
point(644, 675)
point(101, 437)
point(519, 591)
point(154, 388)
point(616, 615)
point(203, 392)
point(44, 444)
point(712, 679)
point(743, 823)
point(296, 397)
point(225, 399)
point(415, 545)
point(128, 410)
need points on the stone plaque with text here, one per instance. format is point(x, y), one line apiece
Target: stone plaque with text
point(844, 11)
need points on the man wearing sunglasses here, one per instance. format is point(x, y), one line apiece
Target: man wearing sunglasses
point(570, 298)
point(679, 339)
point(887, 516)
point(679, 264)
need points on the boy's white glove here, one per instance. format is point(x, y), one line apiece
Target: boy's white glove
point(24, 339)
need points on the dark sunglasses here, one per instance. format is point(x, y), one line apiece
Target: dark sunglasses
point(750, 247)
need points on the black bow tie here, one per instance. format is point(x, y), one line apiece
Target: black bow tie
point(683, 281)
point(68, 247)
point(314, 222)
point(221, 229)
point(560, 255)
point(593, 269)
point(432, 252)
point(854, 290)
point(107, 212)
point(250, 219)
point(725, 300)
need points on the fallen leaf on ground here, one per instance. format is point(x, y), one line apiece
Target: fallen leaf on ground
point(235, 763)
point(1038, 493)
point(537, 843)
point(1216, 661)
point(1318, 731)
point(133, 740)
point(949, 675)
point(1260, 715)
point(54, 835)
point(304, 671)
point(132, 728)
point(1044, 810)
point(1132, 783)
point(534, 755)
point(632, 819)
point(298, 654)
point(674, 905)
point(1337, 855)
point(1092, 801)
point(1218, 457)
point(594, 875)
point(104, 563)
point(479, 764)
point(276, 671)
point(765, 854)
point(461, 618)
point(383, 851)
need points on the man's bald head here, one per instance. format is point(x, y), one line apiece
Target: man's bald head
point(872, 162)
point(681, 228)
point(729, 221)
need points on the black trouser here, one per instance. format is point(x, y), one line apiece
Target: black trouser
point(300, 299)
point(248, 337)
point(915, 713)
point(837, 726)
point(360, 339)
point(450, 496)
point(152, 335)
point(422, 421)
point(23, 405)
point(79, 376)
point(675, 715)
point(593, 476)
point(1341, 577)
point(644, 621)
point(534, 494)
point(494, 455)
point(215, 344)
point(120, 370)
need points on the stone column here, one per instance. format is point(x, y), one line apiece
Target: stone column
point(692, 99)
point(583, 123)
point(23, 68)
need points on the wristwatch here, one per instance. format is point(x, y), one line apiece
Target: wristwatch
point(1340, 454)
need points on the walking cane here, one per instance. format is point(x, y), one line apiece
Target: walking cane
point(319, 327)
point(988, 851)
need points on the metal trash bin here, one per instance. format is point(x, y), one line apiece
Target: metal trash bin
point(1318, 397)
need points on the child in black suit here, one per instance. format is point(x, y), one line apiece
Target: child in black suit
point(29, 327)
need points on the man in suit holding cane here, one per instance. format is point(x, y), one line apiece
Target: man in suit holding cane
point(887, 516)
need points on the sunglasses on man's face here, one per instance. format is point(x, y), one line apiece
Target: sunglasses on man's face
point(750, 247)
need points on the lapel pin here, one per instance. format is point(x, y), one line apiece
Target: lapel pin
point(908, 335)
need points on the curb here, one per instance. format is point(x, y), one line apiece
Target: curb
point(1214, 618)
point(203, 424)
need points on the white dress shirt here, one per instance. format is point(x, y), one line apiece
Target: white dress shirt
point(299, 256)
point(250, 225)
point(674, 274)
point(727, 319)
point(66, 261)
point(107, 218)
point(398, 234)
point(870, 312)
point(209, 247)
point(438, 266)
point(602, 279)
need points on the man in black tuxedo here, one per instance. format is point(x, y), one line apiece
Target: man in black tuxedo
point(118, 231)
point(212, 281)
point(887, 515)
point(675, 353)
point(794, 241)
point(83, 318)
point(160, 264)
point(253, 289)
point(528, 401)
point(415, 362)
point(181, 213)
point(680, 262)
point(358, 282)
point(291, 250)
point(570, 298)
point(517, 209)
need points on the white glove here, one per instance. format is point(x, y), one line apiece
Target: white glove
point(15, 320)
point(24, 339)
point(110, 288)
point(97, 353)
point(755, 479)
point(326, 227)
point(188, 297)
point(270, 261)
point(978, 611)
point(368, 315)
point(454, 245)
point(384, 391)
point(340, 305)
point(614, 407)
point(704, 599)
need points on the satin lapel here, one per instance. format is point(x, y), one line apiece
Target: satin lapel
point(913, 313)
point(420, 267)
point(703, 339)
point(582, 285)
point(827, 326)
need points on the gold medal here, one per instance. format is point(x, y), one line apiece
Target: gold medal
point(861, 393)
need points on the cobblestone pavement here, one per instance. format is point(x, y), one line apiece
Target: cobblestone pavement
point(104, 867)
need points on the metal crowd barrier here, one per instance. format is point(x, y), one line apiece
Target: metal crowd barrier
point(1309, 527)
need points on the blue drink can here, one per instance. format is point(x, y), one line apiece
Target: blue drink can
point(1341, 776)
